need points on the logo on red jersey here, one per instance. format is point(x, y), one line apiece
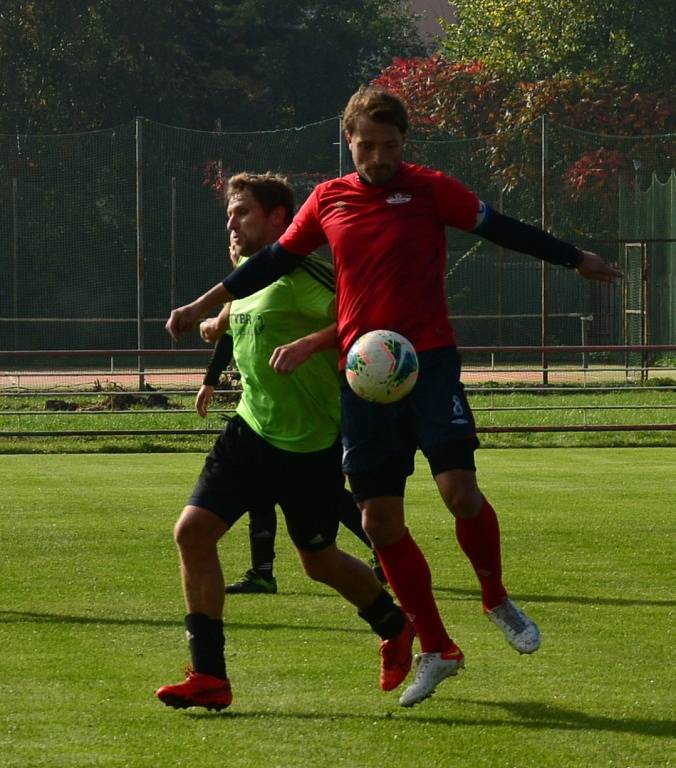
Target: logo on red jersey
point(399, 198)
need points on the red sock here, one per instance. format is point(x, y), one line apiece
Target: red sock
point(479, 539)
point(409, 576)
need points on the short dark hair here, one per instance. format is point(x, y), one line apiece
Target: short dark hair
point(378, 105)
point(269, 190)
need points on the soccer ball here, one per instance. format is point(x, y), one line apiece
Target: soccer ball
point(381, 367)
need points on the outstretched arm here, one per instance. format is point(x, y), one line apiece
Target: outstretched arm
point(185, 318)
point(287, 358)
point(593, 267)
point(263, 268)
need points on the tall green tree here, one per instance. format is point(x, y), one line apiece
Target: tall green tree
point(627, 41)
point(289, 63)
point(82, 65)
point(250, 64)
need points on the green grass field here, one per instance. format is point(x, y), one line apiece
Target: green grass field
point(493, 408)
point(91, 624)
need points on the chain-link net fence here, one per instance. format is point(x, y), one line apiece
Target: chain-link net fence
point(102, 233)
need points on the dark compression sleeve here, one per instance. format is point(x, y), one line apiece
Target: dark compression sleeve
point(263, 268)
point(518, 236)
point(221, 356)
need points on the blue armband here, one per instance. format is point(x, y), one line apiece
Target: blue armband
point(263, 268)
point(519, 236)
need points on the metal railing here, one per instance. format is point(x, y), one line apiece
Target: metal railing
point(108, 379)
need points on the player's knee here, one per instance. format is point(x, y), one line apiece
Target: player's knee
point(316, 574)
point(185, 532)
point(316, 567)
point(383, 524)
point(464, 502)
point(375, 529)
point(196, 528)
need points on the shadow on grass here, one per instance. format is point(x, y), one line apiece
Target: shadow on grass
point(474, 594)
point(535, 715)
point(539, 714)
point(28, 617)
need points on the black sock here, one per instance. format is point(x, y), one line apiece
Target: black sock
point(263, 571)
point(385, 618)
point(207, 644)
point(262, 532)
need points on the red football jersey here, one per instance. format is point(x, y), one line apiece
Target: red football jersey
point(389, 250)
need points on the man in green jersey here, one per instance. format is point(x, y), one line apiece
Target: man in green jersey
point(282, 446)
point(259, 579)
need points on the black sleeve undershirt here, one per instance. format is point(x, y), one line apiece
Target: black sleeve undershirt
point(220, 358)
point(519, 236)
point(274, 261)
point(261, 269)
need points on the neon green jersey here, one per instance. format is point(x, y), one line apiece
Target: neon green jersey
point(300, 411)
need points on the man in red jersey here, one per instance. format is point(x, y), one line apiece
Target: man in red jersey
point(385, 225)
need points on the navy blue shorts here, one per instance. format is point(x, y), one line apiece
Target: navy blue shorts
point(243, 472)
point(380, 441)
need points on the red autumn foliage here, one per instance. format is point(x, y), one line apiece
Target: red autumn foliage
point(460, 99)
point(466, 100)
point(595, 168)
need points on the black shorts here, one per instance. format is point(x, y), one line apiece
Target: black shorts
point(244, 472)
point(380, 441)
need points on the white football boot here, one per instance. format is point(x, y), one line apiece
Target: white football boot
point(521, 632)
point(430, 670)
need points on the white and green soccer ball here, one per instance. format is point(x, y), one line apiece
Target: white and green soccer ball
point(381, 367)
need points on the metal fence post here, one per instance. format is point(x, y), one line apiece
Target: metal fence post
point(140, 261)
point(544, 285)
point(15, 258)
point(584, 319)
point(172, 278)
point(645, 319)
point(500, 275)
